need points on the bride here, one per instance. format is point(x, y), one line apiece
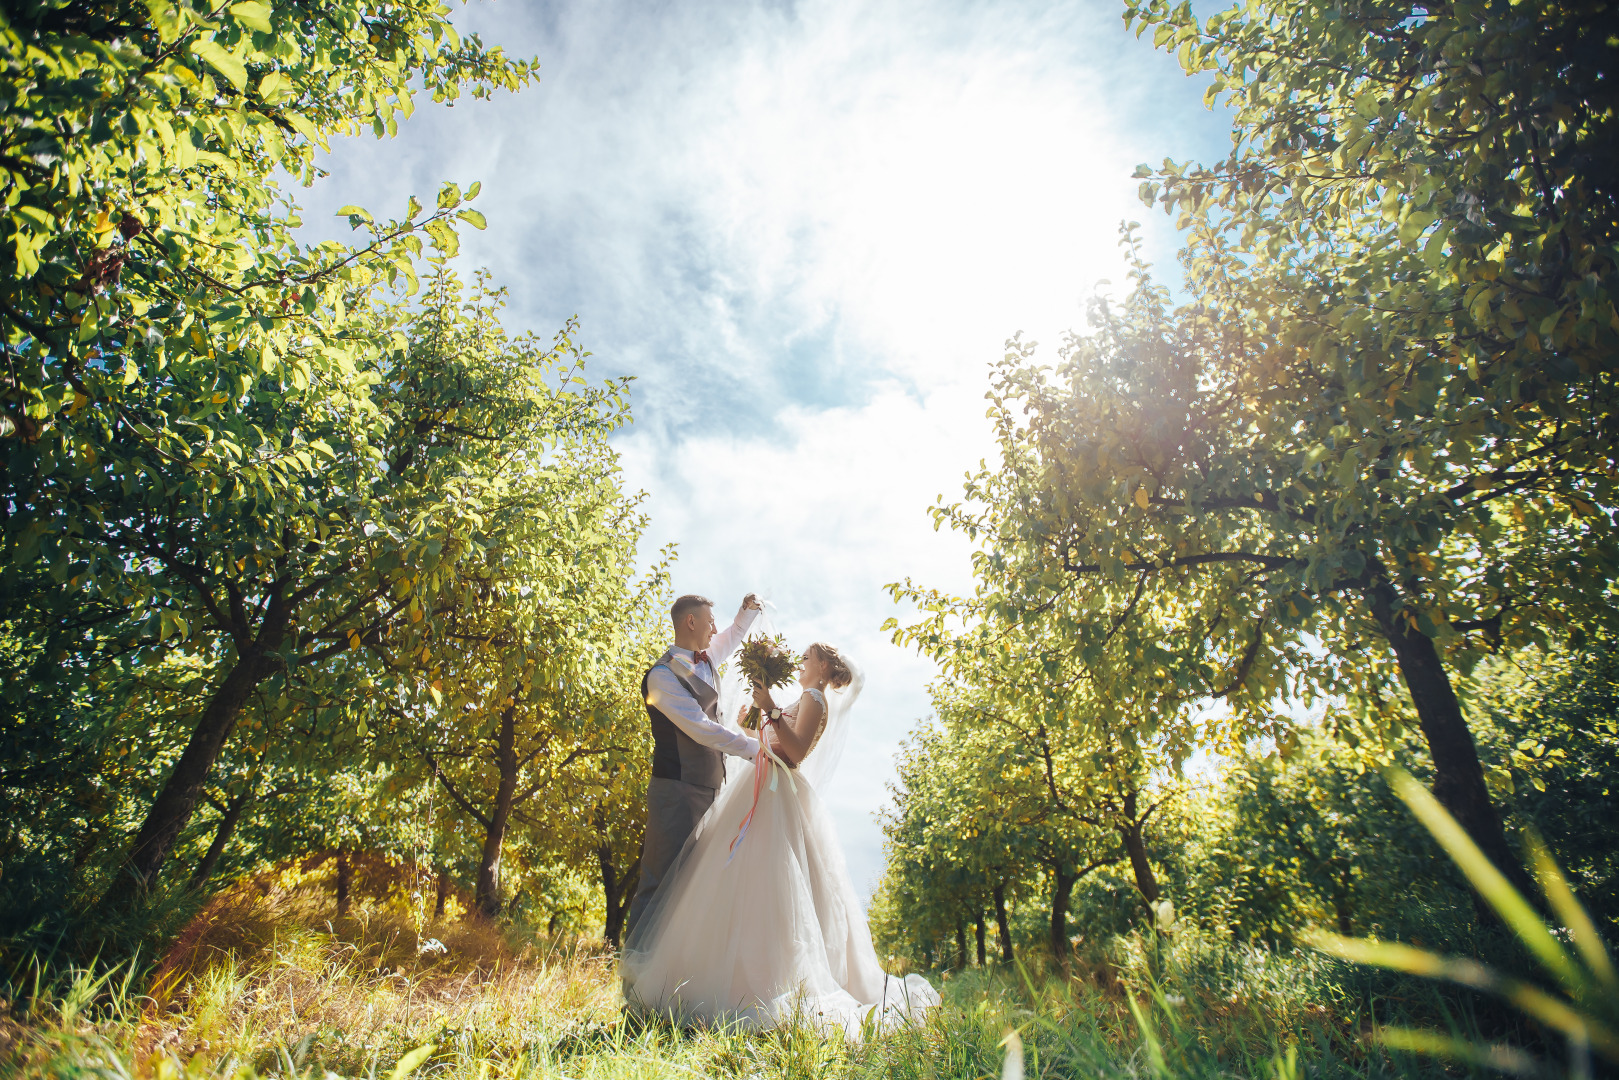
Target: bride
point(757, 921)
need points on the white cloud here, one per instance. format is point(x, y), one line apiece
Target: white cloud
point(817, 515)
point(807, 230)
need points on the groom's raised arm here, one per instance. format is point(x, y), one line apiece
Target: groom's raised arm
point(726, 641)
point(664, 693)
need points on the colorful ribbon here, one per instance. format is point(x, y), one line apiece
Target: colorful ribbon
point(766, 760)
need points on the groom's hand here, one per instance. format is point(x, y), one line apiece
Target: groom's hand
point(750, 602)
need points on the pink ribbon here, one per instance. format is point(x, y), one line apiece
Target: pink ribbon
point(765, 760)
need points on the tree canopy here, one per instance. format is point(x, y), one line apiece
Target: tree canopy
point(1376, 441)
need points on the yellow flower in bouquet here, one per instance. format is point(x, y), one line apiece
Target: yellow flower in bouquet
point(766, 662)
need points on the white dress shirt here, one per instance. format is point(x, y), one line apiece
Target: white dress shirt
point(664, 693)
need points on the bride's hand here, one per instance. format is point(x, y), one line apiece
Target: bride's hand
point(762, 698)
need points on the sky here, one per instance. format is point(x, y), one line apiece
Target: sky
point(807, 229)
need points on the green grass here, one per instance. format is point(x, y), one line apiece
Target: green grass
point(268, 984)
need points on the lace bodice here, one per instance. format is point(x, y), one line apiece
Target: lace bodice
point(792, 710)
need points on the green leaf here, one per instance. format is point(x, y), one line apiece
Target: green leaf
point(35, 216)
point(91, 326)
point(442, 237)
point(221, 61)
point(411, 1062)
point(473, 218)
point(1434, 250)
point(302, 126)
point(449, 197)
point(273, 86)
point(252, 14)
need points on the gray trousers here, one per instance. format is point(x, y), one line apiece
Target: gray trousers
point(673, 808)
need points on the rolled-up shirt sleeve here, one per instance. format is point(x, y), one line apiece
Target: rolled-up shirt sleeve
point(664, 693)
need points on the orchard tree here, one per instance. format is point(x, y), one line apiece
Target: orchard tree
point(1315, 839)
point(611, 796)
point(1003, 790)
point(506, 681)
point(512, 727)
point(618, 825)
point(1088, 767)
point(140, 150)
point(1385, 422)
point(930, 874)
point(1378, 443)
point(191, 421)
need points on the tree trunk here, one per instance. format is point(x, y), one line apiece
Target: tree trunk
point(172, 809)
point(345, 877)
point(1136, 848)
point(1458, 776)
point(488, 893)
point(616, 892)
point(961, 947)
point(978, 929)
point(1002, 924)
point(1341, 904)
point(222, 835)
point(443, 893)
point(1062, 887)
point(1346, 925)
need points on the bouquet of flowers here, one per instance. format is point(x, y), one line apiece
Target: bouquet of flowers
point(766, 662)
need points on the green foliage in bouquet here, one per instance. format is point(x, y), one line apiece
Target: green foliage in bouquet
point(767, 662)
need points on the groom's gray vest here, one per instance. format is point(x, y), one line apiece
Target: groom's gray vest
point(676, 755)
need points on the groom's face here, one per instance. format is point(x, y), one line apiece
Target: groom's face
point(702, 626)
point(700, 629)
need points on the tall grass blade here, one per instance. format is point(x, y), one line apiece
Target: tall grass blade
point(1149, 1037)
point(1489, 881)
point(1572, 914)
point(1502, 1058)
point(409, 1063)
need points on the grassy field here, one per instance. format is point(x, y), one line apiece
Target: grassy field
point(266, 982)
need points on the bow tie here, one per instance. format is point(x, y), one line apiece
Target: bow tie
point(701, 658)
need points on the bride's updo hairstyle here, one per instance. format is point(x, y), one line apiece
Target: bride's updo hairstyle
point(837, 667)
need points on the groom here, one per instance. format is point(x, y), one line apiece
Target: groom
point(688, 740)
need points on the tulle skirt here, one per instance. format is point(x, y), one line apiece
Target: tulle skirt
point(769, 934)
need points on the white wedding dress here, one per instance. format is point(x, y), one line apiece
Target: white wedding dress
point(773, 932)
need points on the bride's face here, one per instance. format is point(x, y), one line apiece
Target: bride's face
point(812, 672)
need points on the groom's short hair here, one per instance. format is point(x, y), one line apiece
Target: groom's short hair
point(686, 605)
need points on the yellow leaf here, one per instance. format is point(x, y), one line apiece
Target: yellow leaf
point(1141, 497)
point(354, 639)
